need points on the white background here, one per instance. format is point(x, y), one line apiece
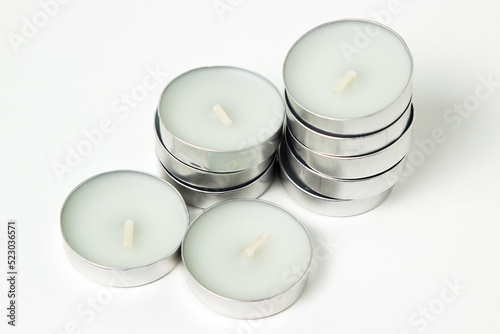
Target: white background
point(387, 265)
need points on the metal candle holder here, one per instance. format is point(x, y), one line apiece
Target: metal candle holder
point(120, 277)
point(354, 167)
point(245, 309)
point(352, 126)
point(323, 205)
point(332, 187)
point(206, 176)
point(214, 160)
point(345, 146)
point(198, 178)
point(203, 198)
point(343, 167)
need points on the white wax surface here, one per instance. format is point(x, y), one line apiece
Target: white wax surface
point(317, 63)
point(93, 218)
point(252, 103)
point(214, 246)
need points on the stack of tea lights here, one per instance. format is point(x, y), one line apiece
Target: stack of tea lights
point(218, 129)
point(349, 116)
point(348, 106)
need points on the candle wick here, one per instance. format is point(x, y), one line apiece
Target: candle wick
point(221, 113)
point(250, 250)
point(128, 233)
point(348, 77)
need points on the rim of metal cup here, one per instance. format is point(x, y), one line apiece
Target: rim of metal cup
point(354, 126)
point(247, 309)
point(342, 188)
point(203, 198)
point(346, 146)
point(324, 205)
point(215, 160)
point(204, 179)
point(356, 167)
point(129, 276)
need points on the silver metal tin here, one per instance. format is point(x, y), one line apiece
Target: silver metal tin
point(247, 309)
point(203, 198)
point(122, 277)
point(356, 167)
point(347, 146)
point(204, 179)
point(341, 188)
point(324, 205)
point(219, 161)
point(355, 126)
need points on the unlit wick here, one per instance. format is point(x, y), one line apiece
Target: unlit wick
point(348, 77)
point(221, 113)
point(128, 233)
point(250, 250)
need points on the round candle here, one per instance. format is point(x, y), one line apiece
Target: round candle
point(247, 250)
point(347, 69)
point(221, 108)
point(124, 219)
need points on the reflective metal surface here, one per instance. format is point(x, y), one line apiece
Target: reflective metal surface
point(340, 188)
point(203, 198)
point(220, 161)
point(347, 146)
point(354, 167)
point(204, 179)
point(246, 309)
point(122, 277)
point(353, 126)
point(325, 205)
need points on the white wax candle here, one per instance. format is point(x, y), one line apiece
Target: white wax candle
point(221, 108)
point(110, 208)
point(247, 250)
point(324, 57)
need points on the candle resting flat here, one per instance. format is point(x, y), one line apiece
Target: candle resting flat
point(348, 91)
point(204, 197)
point(247, 286)
point(310, 53)
point(323, 205)
point(329, 186)
point(346, 146)
point(354, 167)
point(204, 179)
point(245, 152)
point(113, 239)
point(354, 126)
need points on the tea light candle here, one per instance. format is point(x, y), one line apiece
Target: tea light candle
point(220, 111)
point(124, 228)
point(221, 108)
point(247, 258)
point(348, 69)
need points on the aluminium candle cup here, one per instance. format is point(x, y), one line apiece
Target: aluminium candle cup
point(342, 188)
point(365, 124)
point(322, 205)
point(203, 198)
point(260, 146)
point(104, 204)
point(356, 167)
point(346, 145)
point(204, 179)
point(243, 293)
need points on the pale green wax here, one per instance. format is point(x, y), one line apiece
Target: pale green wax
point(320, 59)
point(94, 215)
point(215, 243)
point(252, 103)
